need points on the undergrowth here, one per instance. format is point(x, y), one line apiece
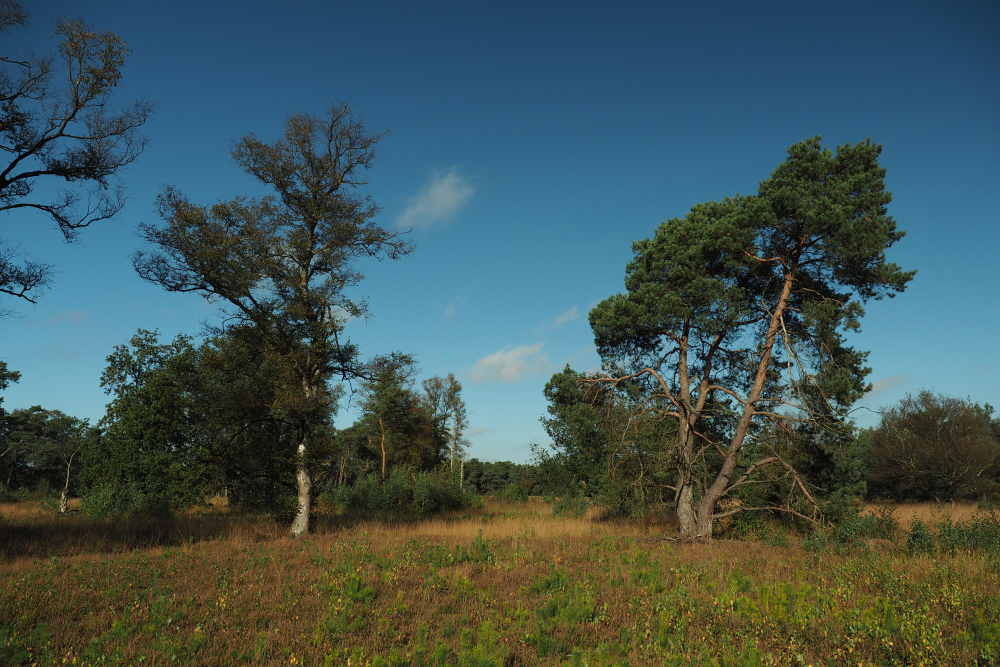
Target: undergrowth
point(517, 586)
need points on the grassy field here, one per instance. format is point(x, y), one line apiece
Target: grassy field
point(508, 585)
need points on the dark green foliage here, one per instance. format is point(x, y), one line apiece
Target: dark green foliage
point(40, 445)
point(57, 125)
point(933, 447)
point(403, 492)
point(574, 506)
point(600, 451)
point(152, 454)
point(919, 539)
point(742, 308)
point(579, 436)
point(397, 427)
point(490, 478)
point(513, 493)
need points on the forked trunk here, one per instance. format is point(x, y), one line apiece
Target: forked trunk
point(300, 526)
point(706, 508)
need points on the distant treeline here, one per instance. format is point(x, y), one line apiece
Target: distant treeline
point(188, 421)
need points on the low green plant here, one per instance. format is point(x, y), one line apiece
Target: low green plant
point(575, 506)
point(513, 493)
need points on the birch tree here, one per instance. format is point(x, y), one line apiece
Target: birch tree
point(282, 263)
point(443, 397)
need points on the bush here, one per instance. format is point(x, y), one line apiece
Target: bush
point(513, 493)
point(933, 447)
point(404, 492)
point(919, 539)
point(565, 507)
point(127, 500)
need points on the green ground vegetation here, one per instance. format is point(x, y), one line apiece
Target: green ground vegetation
point(512, 584)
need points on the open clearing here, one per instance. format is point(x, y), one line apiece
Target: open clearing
point(507, 585)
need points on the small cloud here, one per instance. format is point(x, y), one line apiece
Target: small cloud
point(509, 365)
point(439, 200)
point(472, 433)
point(62, 317)
point(568, 316)
point(453, 305)
point(341, 315)
point(64, 353)
point(886, 385)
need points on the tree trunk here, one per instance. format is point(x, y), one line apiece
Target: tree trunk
point(383, 446)
point(685, 510)
point(64, 497)
point(686, 516)
point(300, 526)
point(706, 509)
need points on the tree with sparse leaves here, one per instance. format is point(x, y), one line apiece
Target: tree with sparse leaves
point(282, 263)
point(57, 123)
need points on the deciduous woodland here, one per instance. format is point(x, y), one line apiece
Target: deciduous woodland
point(707, 496)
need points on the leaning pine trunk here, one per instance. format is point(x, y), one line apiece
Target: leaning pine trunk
point(706, 509)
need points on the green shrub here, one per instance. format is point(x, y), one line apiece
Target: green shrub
point(919, 539)
point(404, 492)
point(513, 493)
point(127, 500)
point(575, 507)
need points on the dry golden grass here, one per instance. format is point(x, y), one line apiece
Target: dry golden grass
point(32, 509)
point(226, 589)
point(933, 513)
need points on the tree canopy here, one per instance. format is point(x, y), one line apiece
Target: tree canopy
point(934, 447)
point(282, 263)
point(736, 314)
point(57, 123)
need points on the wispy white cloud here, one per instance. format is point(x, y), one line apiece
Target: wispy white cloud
point(438, 201)
point(453, 305)
point(568, 316)
point(341, 315)
point(62, 317)
point(510, 365)
point(886, 385)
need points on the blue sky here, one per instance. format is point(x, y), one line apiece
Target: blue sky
point(531, 144)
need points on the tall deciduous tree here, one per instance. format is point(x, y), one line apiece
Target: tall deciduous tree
point(56, 122)
point(282, 263)
point(443, 397)
point(736, 313)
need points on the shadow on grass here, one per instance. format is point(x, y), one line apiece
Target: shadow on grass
point(39, 537)
point(50, 534)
